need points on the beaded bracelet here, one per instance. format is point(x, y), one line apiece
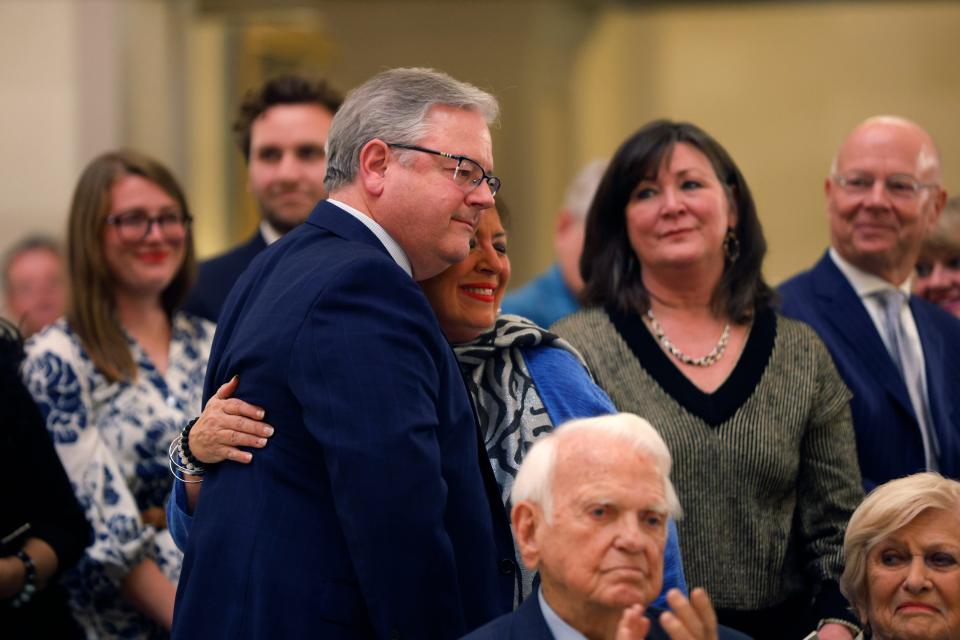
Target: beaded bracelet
point(182, 460)
point(177, 464)
point(29, 583)
point(191, 460)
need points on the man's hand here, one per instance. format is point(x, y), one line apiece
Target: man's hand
point(692, 619)
point(633, 625)
point(225, 424)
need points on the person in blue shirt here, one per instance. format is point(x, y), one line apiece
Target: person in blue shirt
point(553, 294)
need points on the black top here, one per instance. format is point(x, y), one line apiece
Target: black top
point(713, 408)
point(34, 489)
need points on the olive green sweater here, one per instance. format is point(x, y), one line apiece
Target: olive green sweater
point(765, 467)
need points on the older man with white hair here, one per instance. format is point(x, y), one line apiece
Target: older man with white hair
point(590, 509)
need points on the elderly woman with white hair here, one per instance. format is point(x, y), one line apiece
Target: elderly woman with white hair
point(902, 553)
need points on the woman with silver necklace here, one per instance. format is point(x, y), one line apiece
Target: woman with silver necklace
point(678, 327)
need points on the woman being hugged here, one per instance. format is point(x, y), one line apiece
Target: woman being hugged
point(678, 327)
point(115, 381)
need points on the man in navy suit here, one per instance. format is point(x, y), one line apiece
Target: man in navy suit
point(899, 355)
point(281, 129)
point(590, 509)
point(373, 513)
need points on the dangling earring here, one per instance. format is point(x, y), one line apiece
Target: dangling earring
point(731, 245)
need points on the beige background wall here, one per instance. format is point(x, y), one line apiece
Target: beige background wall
point(778, 83)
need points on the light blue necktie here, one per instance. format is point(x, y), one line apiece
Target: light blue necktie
point(891, 304)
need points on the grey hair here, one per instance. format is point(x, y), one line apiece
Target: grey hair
point(583, 187)
point(393, 106)
point(534, 481)
point(29, 243)
point(887, 509)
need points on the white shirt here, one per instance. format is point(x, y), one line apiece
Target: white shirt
point(558, 628)
point(385, 239)
point(866, 285)
point(270, 235)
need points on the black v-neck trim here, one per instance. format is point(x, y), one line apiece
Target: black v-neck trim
point(713, 408)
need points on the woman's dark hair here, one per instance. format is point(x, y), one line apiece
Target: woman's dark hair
point(609, 266)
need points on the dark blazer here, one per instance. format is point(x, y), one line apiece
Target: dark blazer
point(527, 623)
point(889, 443)
point(370, 513)
point(216, 277)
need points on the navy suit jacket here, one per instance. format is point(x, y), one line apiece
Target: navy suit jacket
point(216, 277)
point(370, 514)
point(528, 623)
point(889, 443)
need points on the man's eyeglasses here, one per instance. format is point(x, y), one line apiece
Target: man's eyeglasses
point(468, 173)
point(135, 225)
point(900, 186)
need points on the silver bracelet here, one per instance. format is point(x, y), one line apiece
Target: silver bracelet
point(177, 463)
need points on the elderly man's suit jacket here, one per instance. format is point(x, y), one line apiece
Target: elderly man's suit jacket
point(889, 443)
point(216, 277)
point(527, 623)
point(369, 514)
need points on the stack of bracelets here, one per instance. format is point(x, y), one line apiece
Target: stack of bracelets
point(29, 581)
point(182, 460)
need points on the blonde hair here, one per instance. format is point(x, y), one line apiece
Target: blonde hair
point(944, 238)
point(92, 306)
point(887, 509)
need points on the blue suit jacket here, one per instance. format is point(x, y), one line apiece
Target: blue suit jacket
point(370, 513)
point(216, 277)
point(527, 623)
point(889, 443)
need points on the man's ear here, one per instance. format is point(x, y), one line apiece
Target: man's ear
point(527, 519)
point(938, 205)
point(372, 171)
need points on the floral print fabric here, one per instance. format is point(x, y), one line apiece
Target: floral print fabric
point(112, 438)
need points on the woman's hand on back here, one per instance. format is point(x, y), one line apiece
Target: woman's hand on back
point(226, 424)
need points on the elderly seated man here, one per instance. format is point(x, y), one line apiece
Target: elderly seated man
point(590, 509)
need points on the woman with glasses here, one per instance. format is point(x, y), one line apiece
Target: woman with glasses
point(678, 326)
point(116, 379)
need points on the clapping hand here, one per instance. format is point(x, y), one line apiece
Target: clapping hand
point(692, 619)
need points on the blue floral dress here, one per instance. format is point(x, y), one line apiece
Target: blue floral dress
point(112, 438)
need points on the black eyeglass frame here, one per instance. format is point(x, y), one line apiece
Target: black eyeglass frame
point(493, 182)
point(118, 220)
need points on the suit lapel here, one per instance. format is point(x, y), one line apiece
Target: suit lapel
point(849, 318)
point(334, 219)
point(528, 622)
point(932, 342)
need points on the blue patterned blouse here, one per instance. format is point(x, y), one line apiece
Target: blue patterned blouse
point(112, 438)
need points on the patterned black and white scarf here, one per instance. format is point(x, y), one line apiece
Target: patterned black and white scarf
point(511, 413)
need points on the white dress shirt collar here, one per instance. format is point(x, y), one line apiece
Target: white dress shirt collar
point(558, 628)
point(270, 235)
point(864, 283)
point(385, 239)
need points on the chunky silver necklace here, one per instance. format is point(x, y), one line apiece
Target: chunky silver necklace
point(705, 361)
